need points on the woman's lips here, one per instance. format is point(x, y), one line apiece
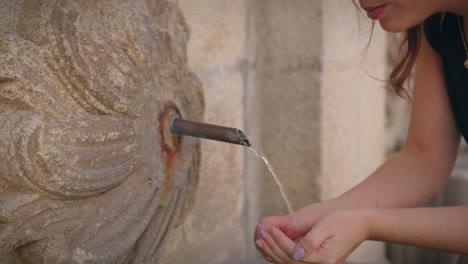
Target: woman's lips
point(375, 12)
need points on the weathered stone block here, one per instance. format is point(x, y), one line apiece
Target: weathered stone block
point(286, 48)
point(287, 34)
point(289, 138)
point(218, 31)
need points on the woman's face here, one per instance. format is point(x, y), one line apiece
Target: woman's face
point(398, 15)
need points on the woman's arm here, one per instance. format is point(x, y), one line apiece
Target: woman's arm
point(426, 160)
point(406, 180)
point(442, 228)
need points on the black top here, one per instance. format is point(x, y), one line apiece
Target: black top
point(445, 37)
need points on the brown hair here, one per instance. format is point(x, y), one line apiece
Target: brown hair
point(408, 52)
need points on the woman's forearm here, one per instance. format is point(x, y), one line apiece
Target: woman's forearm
point(443, 228)
point(406, 180)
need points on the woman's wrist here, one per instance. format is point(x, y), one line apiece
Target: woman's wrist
point(347, 201)
point(360, 219)
point(366, 216)
point(375, 219)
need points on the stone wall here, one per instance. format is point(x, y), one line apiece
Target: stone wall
point(300, 84)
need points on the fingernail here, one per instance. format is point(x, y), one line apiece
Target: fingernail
point(258, 243)
point(261, 231)
point(298, 254)
point(269, 259)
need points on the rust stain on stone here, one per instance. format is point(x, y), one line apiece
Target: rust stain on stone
point(170, 145)
point(149, 5)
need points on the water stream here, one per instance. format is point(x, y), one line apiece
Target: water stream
point(259, 154)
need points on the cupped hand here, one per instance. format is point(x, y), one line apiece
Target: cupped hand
point(331, 240)
point(293, 227)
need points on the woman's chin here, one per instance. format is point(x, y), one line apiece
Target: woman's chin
point(400, 24)
point(393, 28)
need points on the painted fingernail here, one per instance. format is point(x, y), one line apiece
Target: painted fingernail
point(261, 232)
point(298, 254)
point(258, 243)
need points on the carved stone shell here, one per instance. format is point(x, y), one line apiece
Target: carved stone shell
point(88, 171)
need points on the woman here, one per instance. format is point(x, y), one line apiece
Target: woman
point(383, 206)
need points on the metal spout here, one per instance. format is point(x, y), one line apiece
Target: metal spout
point(201, 130)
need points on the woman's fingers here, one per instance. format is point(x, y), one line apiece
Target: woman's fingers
point(281, 245)
point(287, 224)
point(267, 252)
point(310, 248)
point(260, 238)
point(259, 232)
point(283, 242)
point(276, 249)
point(297, 240)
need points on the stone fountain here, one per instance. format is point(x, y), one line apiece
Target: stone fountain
point(88, 170)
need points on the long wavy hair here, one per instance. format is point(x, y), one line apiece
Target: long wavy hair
point(407, 54)
point(406, 59)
